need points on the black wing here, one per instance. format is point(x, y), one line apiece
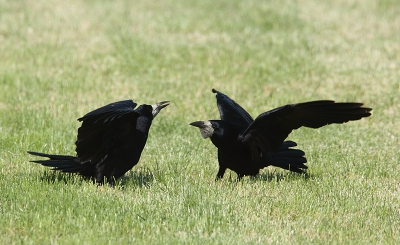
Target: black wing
point(110, 111)
point(105, 129)
point(229, 110)
point(271, 128)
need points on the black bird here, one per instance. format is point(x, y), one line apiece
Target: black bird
point(109, 142)
point(246, 145)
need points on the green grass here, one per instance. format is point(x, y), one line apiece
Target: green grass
point(61, 59)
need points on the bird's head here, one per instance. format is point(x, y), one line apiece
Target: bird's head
point(207, 128)
point(157, 107)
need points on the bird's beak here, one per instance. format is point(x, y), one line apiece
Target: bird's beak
point(199, 124)
point(157, 107)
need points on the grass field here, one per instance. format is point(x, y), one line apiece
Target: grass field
point(61, 59)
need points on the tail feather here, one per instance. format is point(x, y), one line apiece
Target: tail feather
point(286, 158)
point(58, 157)
point(63, 163)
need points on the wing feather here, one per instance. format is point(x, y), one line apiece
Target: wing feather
point(271, 128)
point(230, 111)
point(104, 129)
point(110, 111)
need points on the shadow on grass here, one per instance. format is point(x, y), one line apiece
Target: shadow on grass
point(280, 176)
point(267, 176)
point(52, 177)
point(141, 178)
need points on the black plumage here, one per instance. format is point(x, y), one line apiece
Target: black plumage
point(246, 145)
point(109, 142)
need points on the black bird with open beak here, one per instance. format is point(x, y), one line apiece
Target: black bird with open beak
point(246, 145)
point(109, 142)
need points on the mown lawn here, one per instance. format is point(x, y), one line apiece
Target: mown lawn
point(61, 59)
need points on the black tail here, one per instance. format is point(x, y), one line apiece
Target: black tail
point(67, 164)
point(286, 158)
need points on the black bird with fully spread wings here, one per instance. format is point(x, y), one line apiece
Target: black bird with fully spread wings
point(246, 145)
point(109, 142)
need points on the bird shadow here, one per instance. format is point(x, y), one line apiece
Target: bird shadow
point(140, 178)
point(53, 177)
point(280, 176)
point(274, 176)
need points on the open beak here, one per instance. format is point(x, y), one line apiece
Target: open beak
point(157, 107)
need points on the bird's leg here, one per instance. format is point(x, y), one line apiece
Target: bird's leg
point(239, 178)
point(220, 173)
point(100, 178)
point(111, 181)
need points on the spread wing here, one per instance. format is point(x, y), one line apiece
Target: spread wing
point(230, 111)
point(271, 128)
point(105, 129)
